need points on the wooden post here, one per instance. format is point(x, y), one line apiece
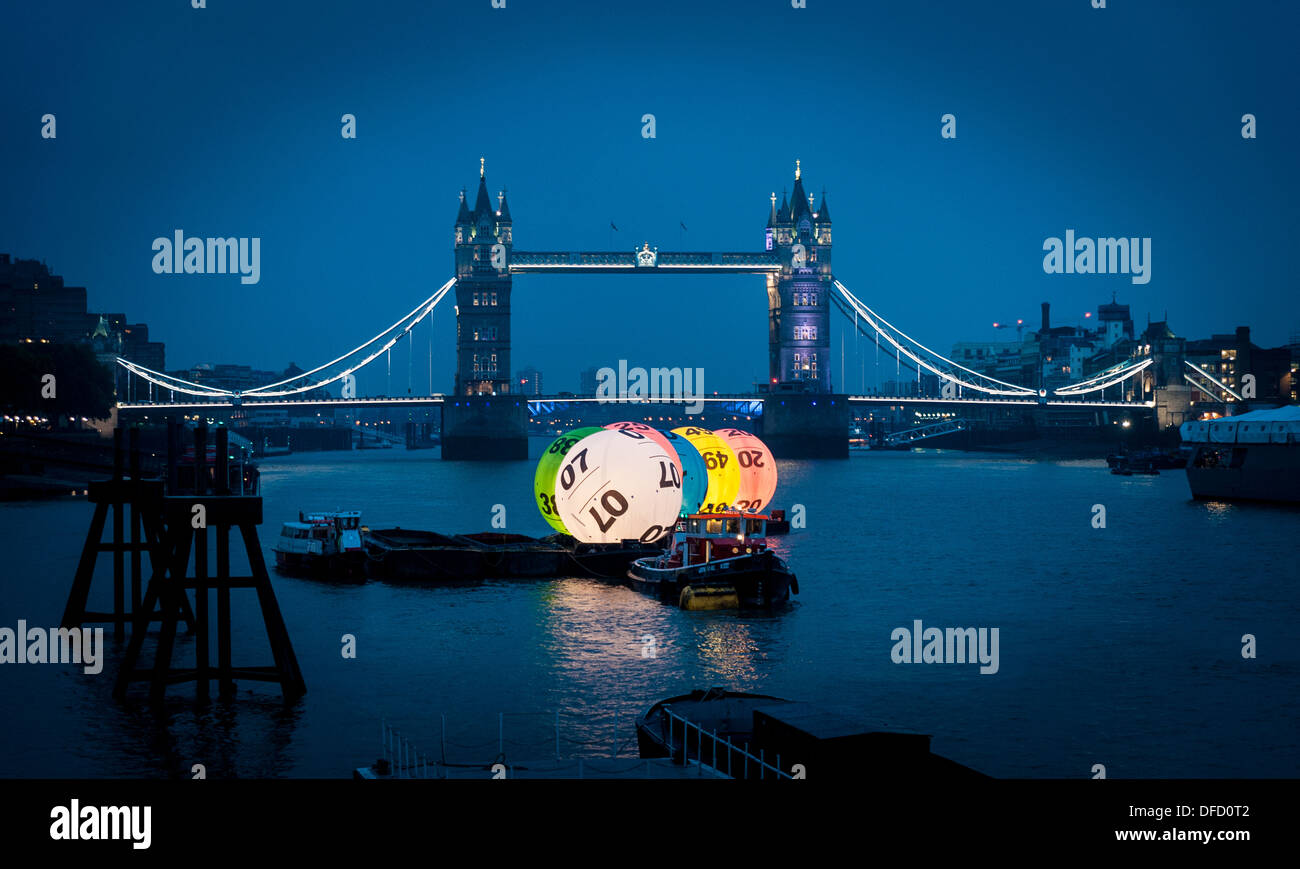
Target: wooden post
point(119, 572)
point(200, 536)
point(136, 521)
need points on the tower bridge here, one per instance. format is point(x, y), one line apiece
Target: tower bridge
point(800, 416)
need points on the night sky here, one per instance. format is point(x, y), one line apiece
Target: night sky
point(225, 121)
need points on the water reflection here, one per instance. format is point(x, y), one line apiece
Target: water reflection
point(727, 650)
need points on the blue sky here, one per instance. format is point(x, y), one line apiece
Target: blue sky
point(225, 121)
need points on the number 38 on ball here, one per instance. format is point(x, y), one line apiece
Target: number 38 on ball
point(618, 485)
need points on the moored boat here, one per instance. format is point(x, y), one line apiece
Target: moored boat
point(325, 544)
point(756, 736)
point(728, 714)
point(717, 560)
point(1249, 457)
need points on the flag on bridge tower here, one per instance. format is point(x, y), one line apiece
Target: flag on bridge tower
point(612, 226)
point(682, 225)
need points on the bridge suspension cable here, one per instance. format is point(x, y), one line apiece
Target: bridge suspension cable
point(175, 384)
point(1111, 376)
point(1200, 372)
point(924, 357)
point(394, 333)
point(405, 324)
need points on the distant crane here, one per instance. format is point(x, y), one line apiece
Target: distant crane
point(1019, 324)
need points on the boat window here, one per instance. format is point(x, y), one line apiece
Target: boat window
point(754, 527)
point(733, 526)
point(713, 526)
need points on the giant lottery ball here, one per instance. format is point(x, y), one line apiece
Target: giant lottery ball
point(544, 478)
point(650, 432)
point(723, 469)
point(757, 469)
point(695, 474)
point(618, 485)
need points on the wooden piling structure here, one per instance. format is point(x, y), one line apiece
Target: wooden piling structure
point(189, 516)
point(136, 502)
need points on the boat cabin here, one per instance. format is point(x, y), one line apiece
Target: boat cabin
point(322, 533)
point(341, 520)
point(704, 537)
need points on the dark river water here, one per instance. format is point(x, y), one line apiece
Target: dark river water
point(1118, 646)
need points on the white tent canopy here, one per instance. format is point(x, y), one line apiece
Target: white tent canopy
point(1279, 425)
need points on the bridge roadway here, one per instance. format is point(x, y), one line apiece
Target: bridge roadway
point(536, 405)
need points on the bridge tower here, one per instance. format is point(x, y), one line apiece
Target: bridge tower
point(800, 418)
point(484, 239)
point(483, 420)
point(799, 296)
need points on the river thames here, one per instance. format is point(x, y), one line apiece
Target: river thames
point(1119, 646)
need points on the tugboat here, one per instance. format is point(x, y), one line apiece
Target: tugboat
point(323, 545)
point(717, 561)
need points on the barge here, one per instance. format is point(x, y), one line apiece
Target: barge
point(407, 555)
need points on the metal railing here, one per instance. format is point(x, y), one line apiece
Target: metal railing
point(761, 767)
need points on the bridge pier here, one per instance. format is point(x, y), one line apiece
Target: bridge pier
point(805, 426)
point(479, 428)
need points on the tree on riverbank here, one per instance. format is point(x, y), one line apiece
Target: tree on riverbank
point(80, 385)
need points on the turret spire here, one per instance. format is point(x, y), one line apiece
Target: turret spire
point(800, 202)
point(463, 216)
point(482, 202)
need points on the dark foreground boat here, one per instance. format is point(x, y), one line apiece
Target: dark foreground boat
point(1249, 457)
point(717, 561)
point(800, 739)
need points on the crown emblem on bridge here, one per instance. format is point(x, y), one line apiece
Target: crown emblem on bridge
point(646, 257)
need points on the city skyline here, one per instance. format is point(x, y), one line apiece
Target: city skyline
point(944, 236)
